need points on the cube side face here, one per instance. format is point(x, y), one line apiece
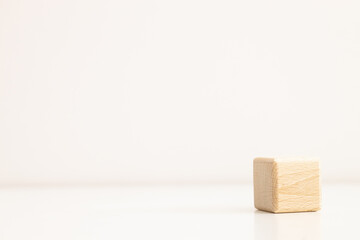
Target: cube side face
point(264, 184)
point(297, 186)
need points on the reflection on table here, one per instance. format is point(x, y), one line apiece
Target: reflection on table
point(284, 226)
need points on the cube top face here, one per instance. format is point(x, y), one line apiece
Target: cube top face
point(286, 184)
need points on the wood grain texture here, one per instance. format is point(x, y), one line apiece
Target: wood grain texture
point(286, 185)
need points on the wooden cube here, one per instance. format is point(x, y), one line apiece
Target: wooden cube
point(286, 184)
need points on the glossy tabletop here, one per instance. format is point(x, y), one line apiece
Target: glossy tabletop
point(204, 211)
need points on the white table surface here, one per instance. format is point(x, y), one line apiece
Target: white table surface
point(169, 212)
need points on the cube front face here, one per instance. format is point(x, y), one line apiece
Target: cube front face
point(286, 185)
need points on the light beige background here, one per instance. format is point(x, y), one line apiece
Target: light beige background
point(152, 91)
